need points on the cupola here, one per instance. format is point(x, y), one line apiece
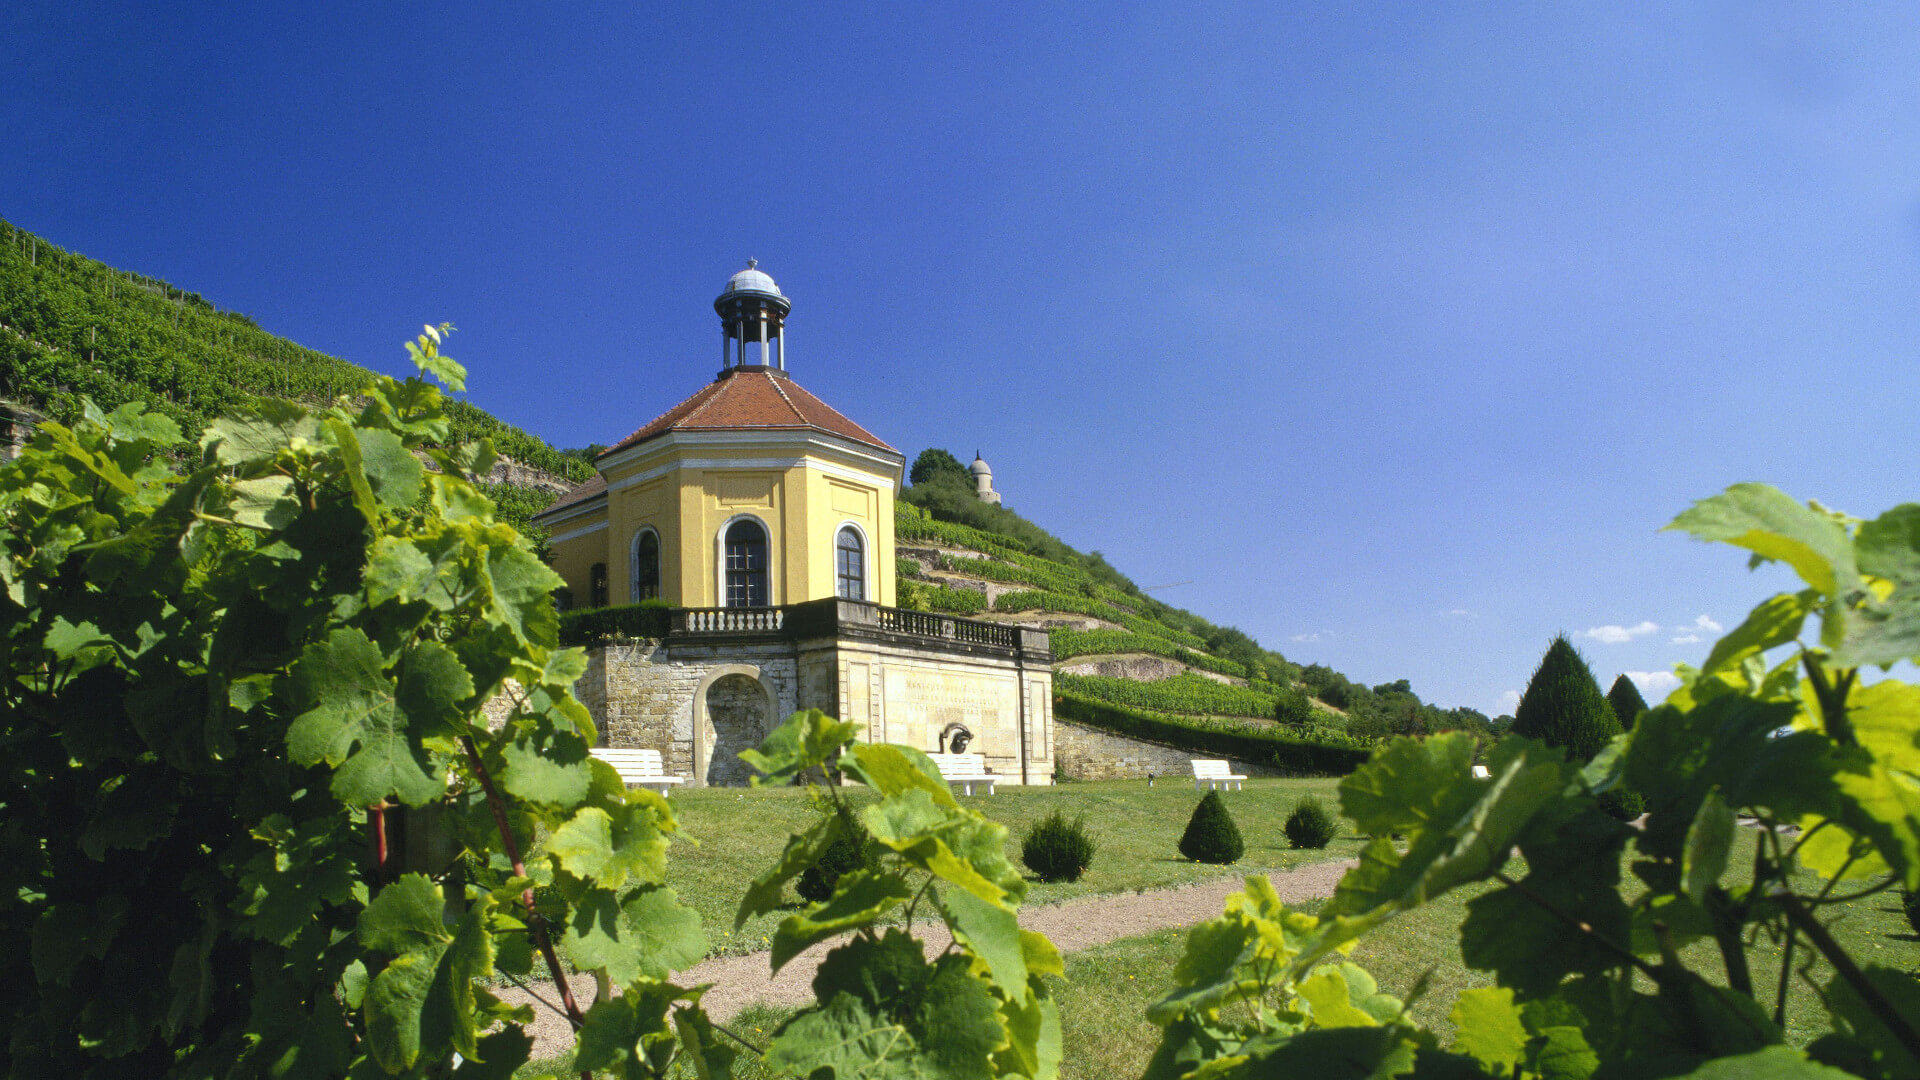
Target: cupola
point(753, 311)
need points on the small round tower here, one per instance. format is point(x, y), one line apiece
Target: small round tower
point(752, 310)
point(983, 480)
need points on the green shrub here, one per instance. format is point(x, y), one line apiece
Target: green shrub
point(1211, 835)
point(585, 626)
point(1310, 826)
point(850, 852)
point(1056, 849)
point(1563, 705)
point(1328, 753)
point(1626, 701)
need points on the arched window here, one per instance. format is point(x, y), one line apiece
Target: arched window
point(746, 564)
point(851, 565)
point(597, 585)
point(646, 566)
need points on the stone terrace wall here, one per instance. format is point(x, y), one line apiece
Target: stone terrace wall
point(1084, 753)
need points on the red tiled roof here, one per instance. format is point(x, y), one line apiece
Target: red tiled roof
point(581, 493)
point(740, 400)
point(753, 401)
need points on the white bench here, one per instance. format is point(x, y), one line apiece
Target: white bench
point(1480, 772)
point(642, 768)
point(1214, 773)
point(964, 771)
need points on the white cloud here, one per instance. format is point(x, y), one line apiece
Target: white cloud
point(1687, 639)
point(1705, 622)
point(1509, 701)
point(1617, 635)
point(1654, 685)
point(1463, 613)
point(1315, 636)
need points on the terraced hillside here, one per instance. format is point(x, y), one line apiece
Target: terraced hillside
point(73, 327)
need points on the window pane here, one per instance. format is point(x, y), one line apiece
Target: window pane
point(746, 558)
point(850, 566)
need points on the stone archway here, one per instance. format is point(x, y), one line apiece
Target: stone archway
point(733, 712)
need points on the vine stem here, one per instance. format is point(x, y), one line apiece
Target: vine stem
point(1843, 965)
point(535, 922)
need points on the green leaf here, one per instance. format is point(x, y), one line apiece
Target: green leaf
point(1772, 1063)
point(1773, 526)
point(1346, 996)
point(1412, 784)
point(665, 933)
point(803, 849)
point(954, 844)
point(593, 845)
point(846, 1038)
point(354, 704)
point(712, 1056)
point(354, 468)
point(892, 770)
point(1886, 629)
point(1851, 1015)
point(258, 431)
point(395, 1006)
point(1487, 1027)
point(1708, 841)
point(522, 594)
point(265, 503)
point(1348, 1053)
point(1033, 1037)
point(806, 740)
point(1886, 720)
point(1520, 932)
point(859, 898)
point(406, 916)
point(1775, 622)
point(546, 765)
point(992, 933)
point(392, 471)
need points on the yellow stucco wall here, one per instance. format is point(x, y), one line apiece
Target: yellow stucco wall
point(803, 494)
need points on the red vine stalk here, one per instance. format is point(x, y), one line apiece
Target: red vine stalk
point(535, 922)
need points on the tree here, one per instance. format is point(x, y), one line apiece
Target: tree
point(1563, 705)
point(934, 462)
point(1626, 701)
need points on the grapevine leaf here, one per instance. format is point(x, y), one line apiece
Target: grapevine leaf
point(547, 766)
point(665, 933)
point(891, 770)
point(803, 850)
point(500, 1056)
point(468, 959)
point(354, 704)
point(1885, 808)
point(1851, 1015)
point(954, 844)
point(1773, 526)
point(395, 1005)
point(1487, 1027)
point(1411, 784)
point(992, 933)
point(595, 937)
point(1772, 1063)
point(1562, 1052)
point(1042, 957)
point(805, 740)
point(433, 683)
point(1887, 629)
point(1335, 1002)
point(1346, 1053)
point(1033, 1037)
point(859, 897)
point(712, 1056)
point(1886, 719)
point(522, 592)
point(846, 1038)
point(593, 846)
point(1521, 933)
point(354, 468)
point(957, 1024)
point(393, 473)
point(1708, 840)
point(258, 431)
point(1775, 622)
point(1210, 972)
point(405, 917)
point(265, 503)
point(619, 1032)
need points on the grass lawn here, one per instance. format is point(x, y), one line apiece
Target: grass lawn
point(739, 833)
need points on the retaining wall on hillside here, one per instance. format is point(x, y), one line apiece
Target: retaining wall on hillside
point(1084, 753)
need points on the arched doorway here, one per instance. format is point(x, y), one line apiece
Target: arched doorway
point(735, 719)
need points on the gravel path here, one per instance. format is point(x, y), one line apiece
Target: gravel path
point(739, 981)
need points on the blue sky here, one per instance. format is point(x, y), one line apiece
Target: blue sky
point(1395, 335)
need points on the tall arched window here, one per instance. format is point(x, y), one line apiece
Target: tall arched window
point(646, 566)
point(746, 544)
point(597, 585)
point(851, 565)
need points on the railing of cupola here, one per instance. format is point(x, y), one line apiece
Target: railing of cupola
point(728, 620)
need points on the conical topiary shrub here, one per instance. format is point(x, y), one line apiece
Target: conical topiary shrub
point(1310, 826)
point(1626, 701)
point(1563, 705)
point(1211, 835)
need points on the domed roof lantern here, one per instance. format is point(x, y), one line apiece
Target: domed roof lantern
point(752, 310)
point(979, 466)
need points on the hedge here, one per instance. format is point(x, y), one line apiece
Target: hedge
point(585, 626)
point(1212, 738)
point(1184, 693)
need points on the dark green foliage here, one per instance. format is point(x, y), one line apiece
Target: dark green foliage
point(1626, 701)
point(851, 851)
point(1291, 707)
point(1310, 825)
point(1211, 835)
point(1057, 849)
point(929, 596)
point(1326, 755)
point(1910, 903)
point(585, 626)
point(1563, 706)
point(934, 463)
point(1623, 804)
point(1184, 693)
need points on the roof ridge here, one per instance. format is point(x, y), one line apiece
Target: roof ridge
point(704, 406)
point(781, 390)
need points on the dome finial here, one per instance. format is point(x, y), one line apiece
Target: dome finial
point(752, 263)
